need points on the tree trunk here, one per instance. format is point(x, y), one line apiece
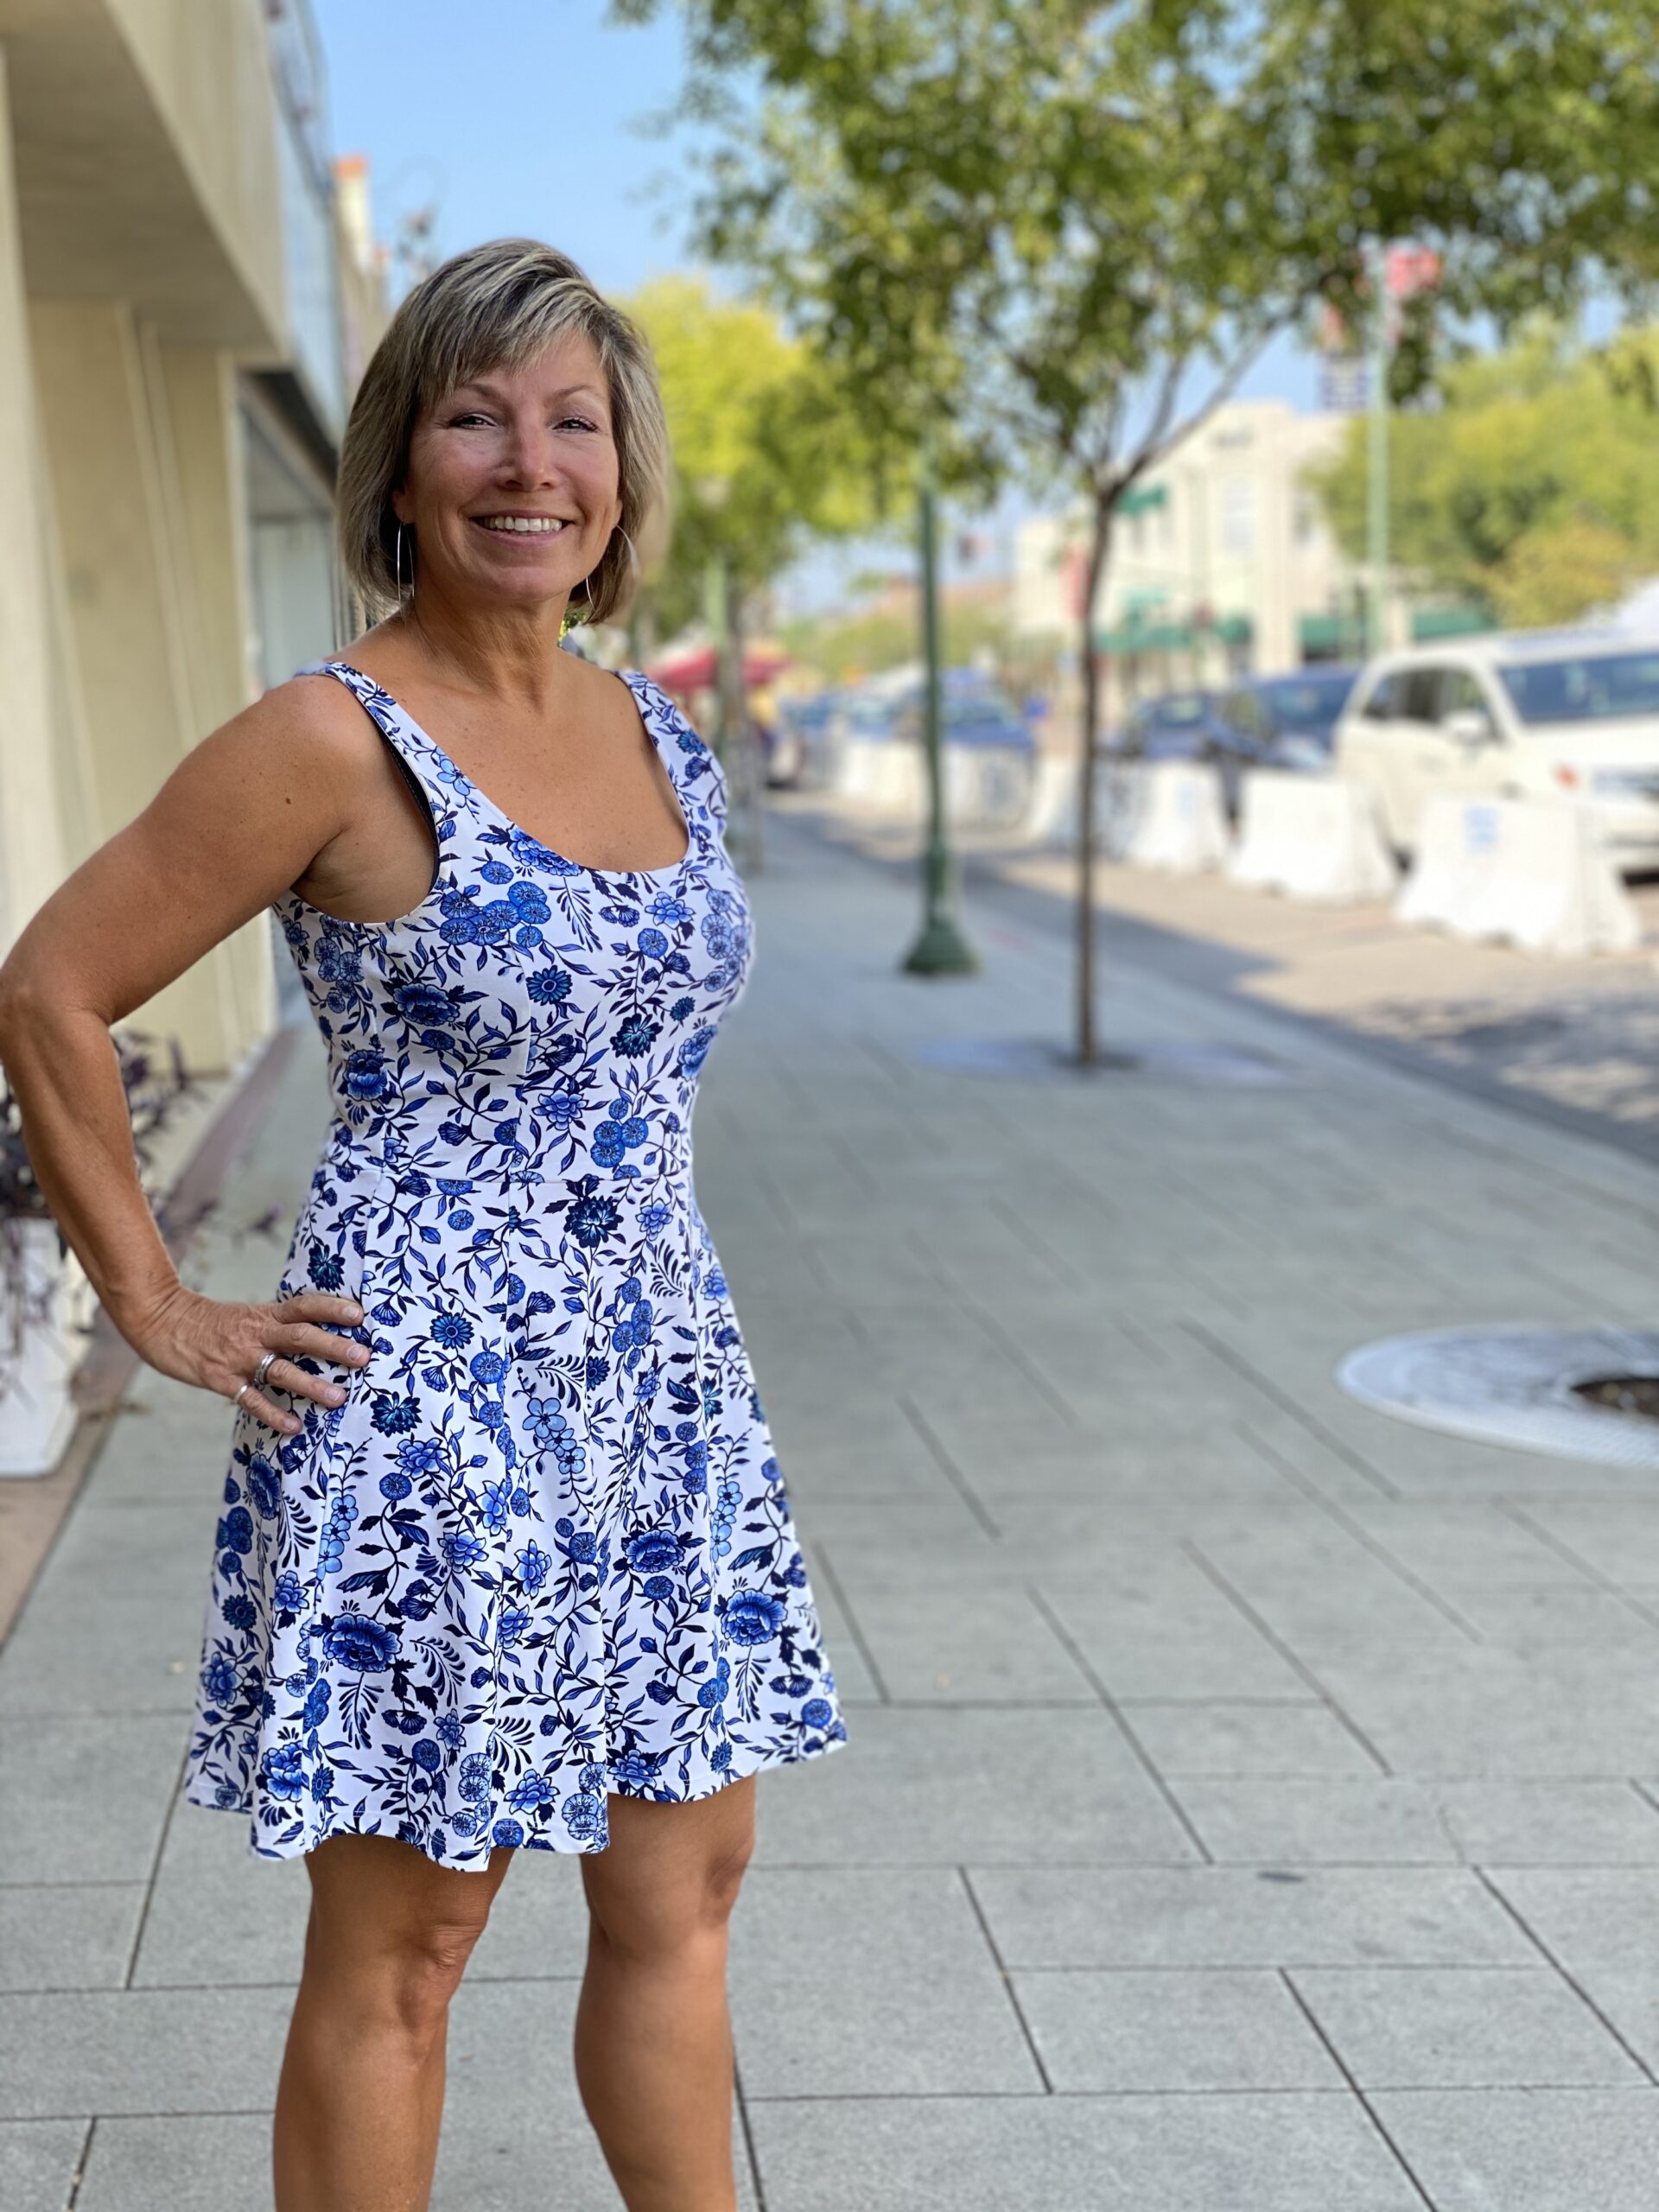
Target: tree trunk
point(1088, 1048)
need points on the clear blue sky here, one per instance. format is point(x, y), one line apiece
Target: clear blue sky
point(524, 117)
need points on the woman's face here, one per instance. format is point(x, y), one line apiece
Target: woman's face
point(512, 487)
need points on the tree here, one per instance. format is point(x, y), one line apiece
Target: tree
point(768, 454)
point(1105, 212)
point(1531, 487)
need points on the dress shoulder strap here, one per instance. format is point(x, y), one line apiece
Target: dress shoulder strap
point(693, 767)
point(430, 772)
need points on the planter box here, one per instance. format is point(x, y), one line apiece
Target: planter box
point(36, 1410)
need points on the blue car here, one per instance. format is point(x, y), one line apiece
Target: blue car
point(1291, 720)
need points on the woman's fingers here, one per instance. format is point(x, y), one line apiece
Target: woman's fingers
point(257, 1403)
point(304, 1340)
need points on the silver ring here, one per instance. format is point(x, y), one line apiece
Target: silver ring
point(263, 1368)
point(237, 1400)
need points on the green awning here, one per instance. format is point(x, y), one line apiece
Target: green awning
point(1332, 633)
point(1429, 623)
point(1133, 637)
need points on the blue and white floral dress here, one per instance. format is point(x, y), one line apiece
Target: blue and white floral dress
point(542, 1551)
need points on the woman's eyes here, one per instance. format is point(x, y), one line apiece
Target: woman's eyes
point(577, 421)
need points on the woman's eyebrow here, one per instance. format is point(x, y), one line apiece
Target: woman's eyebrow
point(494, 391)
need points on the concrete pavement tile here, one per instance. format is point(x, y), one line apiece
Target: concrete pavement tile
point(1616, 1539)
point(39, 2159)
point(1296, 2153)
point(890, 1987)
point(1601, 1926)
point(1172, 1637)
point(219, 1917)
point(1240, 1738)
point(1529, 2149)
point(1393, 1821)
point(1225, 1917)
point(1468, 1546)
point(995, 1785)
point(1559, 1711)
point(114, 1623)
point(186, 2162)
point(1529, 1620)
point(84, 1799)
point(135, 2051)
point(60, 1936)
point(1538, 1823)
point(1464, 2027)
point(1293, 1820)
point(964, 1644)
point(1136, 2029)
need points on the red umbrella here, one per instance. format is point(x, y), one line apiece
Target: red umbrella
point(694, 668)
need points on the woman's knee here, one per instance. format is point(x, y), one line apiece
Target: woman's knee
point(400, 1940)
point(669, 1904)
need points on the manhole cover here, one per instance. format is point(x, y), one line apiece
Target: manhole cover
point(1540, 1389)
point(1038, 1059)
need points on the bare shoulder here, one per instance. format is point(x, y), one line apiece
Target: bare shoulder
point(311, 726)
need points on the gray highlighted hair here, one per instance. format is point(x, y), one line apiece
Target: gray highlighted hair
point(496, 306)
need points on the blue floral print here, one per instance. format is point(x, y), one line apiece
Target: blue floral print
point(542, 1551)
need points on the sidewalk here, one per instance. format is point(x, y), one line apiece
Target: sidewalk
point(1249, 1803)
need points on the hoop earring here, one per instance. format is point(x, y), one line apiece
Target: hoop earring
point(397, 566)
point(587, 582)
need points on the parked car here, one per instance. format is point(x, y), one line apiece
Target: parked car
point(800, 739)
point(1528, 714)
point(1290, 721)
point(1187, 726)
point(976, 716)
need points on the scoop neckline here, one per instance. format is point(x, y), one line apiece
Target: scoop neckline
point(566, 864)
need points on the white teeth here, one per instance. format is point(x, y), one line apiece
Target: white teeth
point(528, 525)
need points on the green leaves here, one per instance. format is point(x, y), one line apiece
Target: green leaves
point(1534, 487)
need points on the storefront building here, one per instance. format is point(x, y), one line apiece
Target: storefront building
point(175, 278)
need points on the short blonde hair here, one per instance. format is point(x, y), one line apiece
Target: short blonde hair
point(496, 306)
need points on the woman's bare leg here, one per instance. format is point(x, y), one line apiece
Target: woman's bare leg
point(654, 2041)
point(361, 2092)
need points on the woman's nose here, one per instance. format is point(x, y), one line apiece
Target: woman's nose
point(529, 453)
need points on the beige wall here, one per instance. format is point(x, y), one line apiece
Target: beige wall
point(139, 441)
point(141, 259)
point(31, 841)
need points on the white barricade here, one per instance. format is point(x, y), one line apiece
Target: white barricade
point(1175, 819)
point(1311, 837)
point(881, 774)
point(1051, 801)
point(1530, 871)
point(986, 787)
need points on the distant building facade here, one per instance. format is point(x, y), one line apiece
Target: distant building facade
point(186, 296)
point(1223, 566)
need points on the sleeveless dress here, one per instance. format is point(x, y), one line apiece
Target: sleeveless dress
point(542, 1551)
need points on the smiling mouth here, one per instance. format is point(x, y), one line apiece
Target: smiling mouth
point(520, 526)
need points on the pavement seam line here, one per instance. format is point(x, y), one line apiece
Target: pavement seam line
point(1006, 1979)
point(1236, 1599)
point(1219, 1349)
point(1154, 1772)
point(1348, 2076)
point(1572, 1981)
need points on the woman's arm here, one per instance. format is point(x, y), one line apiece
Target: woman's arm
point(242, 816)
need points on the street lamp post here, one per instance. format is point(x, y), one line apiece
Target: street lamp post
point(1377, 484)
point(941, 948)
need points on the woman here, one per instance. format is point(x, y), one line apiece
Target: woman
point(504, 1562)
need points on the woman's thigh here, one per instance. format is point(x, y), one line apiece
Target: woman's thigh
point(670, 1871)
